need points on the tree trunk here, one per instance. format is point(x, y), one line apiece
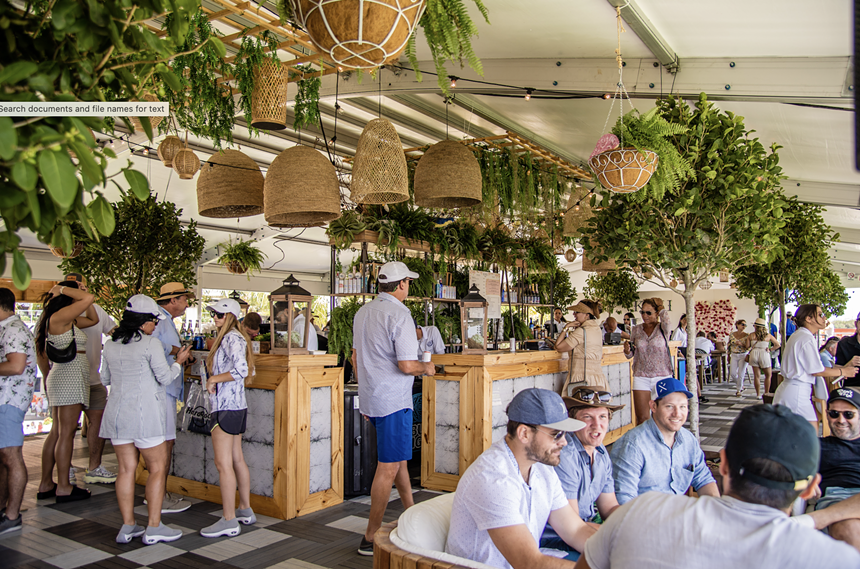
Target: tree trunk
point(692, 381)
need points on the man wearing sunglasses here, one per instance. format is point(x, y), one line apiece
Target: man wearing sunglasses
point(505, 498)
point(840, 459)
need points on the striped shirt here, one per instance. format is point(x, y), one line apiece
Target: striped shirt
point(383, 333)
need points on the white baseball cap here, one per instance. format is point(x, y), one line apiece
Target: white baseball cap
point(225, 305)
point(143, 304)
point(395, 271)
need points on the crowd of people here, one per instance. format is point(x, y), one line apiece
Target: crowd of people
point(545, 495)
point(143, 363)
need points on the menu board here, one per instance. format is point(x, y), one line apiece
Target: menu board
point(490, 287)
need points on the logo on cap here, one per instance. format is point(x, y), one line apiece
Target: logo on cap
point(661, 387)
point(848, 393)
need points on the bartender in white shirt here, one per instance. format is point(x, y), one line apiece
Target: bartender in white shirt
point(429, 340)
point(556, 325)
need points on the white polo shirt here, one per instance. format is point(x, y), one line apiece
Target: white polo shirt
point(492, 494)
point(800, 358)
point(431, 341)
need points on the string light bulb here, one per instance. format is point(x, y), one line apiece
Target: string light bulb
point(607, 96)
point(529, 94)
point(453, 81)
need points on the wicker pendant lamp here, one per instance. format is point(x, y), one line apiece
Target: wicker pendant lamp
point(447, 176)
point(578, 212)
point(269, 98)
point(168, 148)
point(360, 34)
point(230, 185)
point(153, 121)
point(301, 189)
point(185, 162)
point(379, 175)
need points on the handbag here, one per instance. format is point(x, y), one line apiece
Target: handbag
point(197, 411)
point(65, 355)
point(820, 390)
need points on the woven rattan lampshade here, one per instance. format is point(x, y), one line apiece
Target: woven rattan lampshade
point(624, 170)
point(448, 176)
point(186, 164)
point(379, 175)
point(577, 215)
point(360, 33)
point(269, 98)
point(230, 185)
point(168, 149)
point(301, 189)
point(153, 121)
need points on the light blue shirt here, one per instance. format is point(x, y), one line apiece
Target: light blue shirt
point(166, 332)
point(580, 479)
point(643, 462)
point(827, 359)
point(383, 334)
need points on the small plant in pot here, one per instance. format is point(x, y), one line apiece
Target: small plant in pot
point(241, 257)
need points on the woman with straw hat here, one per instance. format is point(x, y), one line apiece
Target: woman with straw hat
point(584, 341)
point(760, 344)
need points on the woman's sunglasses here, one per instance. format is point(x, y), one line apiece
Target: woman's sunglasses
point(590, 394)
point(217, 314)
point(834, 414)
point(646, 312)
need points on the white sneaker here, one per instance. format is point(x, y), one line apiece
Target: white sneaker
point(222, 528)
point(161, 533)
point(172, 503)
point(101, 475)
point(72, 472)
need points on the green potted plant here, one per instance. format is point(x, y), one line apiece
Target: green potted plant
point(260, 108)
point(614, 289)
point(241, 257)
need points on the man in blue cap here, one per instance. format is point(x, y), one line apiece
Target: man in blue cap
point(660, 454)
point(505, 498)
point(770, 459)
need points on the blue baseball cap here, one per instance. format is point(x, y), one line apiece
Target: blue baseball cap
point(669, 385)
point(542, 407)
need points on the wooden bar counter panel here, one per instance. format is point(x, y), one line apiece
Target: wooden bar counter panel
point(464, 407)
point(293, 443)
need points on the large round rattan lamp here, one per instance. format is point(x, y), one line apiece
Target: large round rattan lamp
point(379, 175)
point(447, 176)
point(168, 148)
point(301, 189)
point(269, 97)
point(230, 185)
point(578, 212)
point(361, 34)
point(186, 164)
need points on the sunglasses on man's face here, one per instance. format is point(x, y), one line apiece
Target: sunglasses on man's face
point(591, 394)
point(557, 435)
point(834, 414)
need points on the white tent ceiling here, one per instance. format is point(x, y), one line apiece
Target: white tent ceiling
point(786, 66)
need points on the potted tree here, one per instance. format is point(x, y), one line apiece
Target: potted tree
point(241, 257)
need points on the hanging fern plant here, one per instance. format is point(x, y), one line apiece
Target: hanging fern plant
point(250, 56)
point(307, 108)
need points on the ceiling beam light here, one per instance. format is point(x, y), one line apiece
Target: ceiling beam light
point(529, 94)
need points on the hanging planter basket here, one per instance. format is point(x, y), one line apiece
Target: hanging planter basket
point(301, 189)
point(448, 176)
point(236, 268)
point(230, 185)
point(379, 175)
point(360, 34)
point(269, 97)
point(186, 164)
point(58, 252)
point(168, 149)
point(624, 170)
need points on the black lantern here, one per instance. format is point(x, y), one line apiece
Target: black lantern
point(243, 306)
point(473, 322)
point(290, 318)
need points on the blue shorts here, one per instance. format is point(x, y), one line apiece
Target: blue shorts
point(11, 426)
point(394, 436)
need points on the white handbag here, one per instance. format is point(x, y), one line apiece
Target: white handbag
point(821, 391)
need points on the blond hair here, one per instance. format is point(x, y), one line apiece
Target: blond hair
point(231, 323)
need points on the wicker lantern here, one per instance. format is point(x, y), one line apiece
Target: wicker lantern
point(153, 121)
point(448, 176)
point(705, 285)
point(600, 268)
point(230, 185)
point(168, 148)
point(360, 34)
point(290, 320)
point(724, 276)
point(624, 170)
point(379, 175)
point(473, 322)
point(269, 98)
point(301, 189)
point(570, 255)
point(578, 212)
point(186, 164)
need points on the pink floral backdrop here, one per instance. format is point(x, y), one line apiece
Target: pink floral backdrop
point(717, 317)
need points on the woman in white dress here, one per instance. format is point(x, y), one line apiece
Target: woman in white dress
point(760, 344)
point(737, 356)
point(801, 364)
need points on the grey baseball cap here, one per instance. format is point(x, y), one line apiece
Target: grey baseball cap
point(543, 407)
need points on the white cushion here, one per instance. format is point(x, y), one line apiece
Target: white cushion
point(433, 554)
point(426, 523)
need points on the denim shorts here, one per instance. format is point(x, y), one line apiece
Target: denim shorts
point(394, 436)
point(11, 426)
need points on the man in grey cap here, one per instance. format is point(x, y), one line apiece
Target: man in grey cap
point(385, 359)
point(770, 459)
point(505, 498)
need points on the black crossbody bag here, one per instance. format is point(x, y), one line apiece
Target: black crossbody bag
point(65, 355)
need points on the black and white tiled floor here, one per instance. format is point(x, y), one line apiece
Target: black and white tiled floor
point(81, 534)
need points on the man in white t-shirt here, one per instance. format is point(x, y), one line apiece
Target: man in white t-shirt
point(506, 497)
point(771, 458)
point(429, 340)
point(98, 392)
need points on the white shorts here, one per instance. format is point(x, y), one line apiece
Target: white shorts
point(760, 359)
point(147, 442)
point(170, 434)
point(645, 383)
point(797, 396)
